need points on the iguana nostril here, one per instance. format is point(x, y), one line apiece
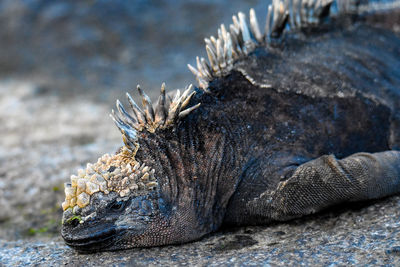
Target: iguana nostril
point(75, 222)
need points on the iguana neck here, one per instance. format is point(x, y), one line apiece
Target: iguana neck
point(198, 168)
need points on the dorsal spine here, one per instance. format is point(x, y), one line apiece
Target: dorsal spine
point(283, 16)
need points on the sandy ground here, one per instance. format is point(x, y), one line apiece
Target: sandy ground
point(55, 97)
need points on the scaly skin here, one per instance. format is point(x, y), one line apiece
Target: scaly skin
point(252, 155)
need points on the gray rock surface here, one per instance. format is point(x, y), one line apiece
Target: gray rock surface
point(62, 63)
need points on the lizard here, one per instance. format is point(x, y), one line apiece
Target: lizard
point(281, 125)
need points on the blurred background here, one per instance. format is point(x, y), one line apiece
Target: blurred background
point(62, 65)
point(99, 48)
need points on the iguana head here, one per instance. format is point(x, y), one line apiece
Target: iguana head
point(118, 202)
point(115, 195)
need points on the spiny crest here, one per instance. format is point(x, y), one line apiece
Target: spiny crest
point(167, 111)
point(240, 39)
point(118, 173)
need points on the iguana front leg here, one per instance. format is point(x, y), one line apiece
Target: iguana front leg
point(327, 181)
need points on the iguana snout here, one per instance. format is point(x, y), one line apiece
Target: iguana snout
point(110, 222)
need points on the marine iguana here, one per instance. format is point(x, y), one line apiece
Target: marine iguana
point(282, 125)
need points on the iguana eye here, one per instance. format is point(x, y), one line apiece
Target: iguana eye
point(118, 206)
point(111, 169)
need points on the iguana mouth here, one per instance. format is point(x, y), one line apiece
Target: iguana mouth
point(94, 242)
